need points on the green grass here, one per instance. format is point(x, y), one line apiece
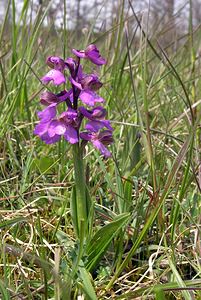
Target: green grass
point(143, 240)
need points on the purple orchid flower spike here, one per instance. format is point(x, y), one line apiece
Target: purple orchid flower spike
point(52, 127)
point(91, 53)
point(96, 117)
point(99, 140)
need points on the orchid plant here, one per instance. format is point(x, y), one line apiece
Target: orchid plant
point(83, 120)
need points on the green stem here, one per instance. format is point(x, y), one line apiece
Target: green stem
point(80, 187)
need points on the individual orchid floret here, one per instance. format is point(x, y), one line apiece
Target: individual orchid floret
point(46, 117)
point(56, 63)
point(54, 75)
point(96, 118)
point(41, 129)
point(97, 113)
point(47, 98)
point(50, 129)
point(99, 140)
point(66, 125)
point(87, 84)
point(91, 53)
point(91, 82)
point(86, 81)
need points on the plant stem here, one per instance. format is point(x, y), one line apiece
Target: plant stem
point(80, 186)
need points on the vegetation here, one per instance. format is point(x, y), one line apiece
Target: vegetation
point(144, 237)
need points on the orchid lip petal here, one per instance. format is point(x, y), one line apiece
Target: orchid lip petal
point(48, 113)
point(97, 144)
point(71, 135)
point(99, 140)
point(56, 128)
point(54, 75)
point(90, 98)
point(41, 128)
point(50, 140)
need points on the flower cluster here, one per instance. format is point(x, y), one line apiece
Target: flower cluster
point(84, 87)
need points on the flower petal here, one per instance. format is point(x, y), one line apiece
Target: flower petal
point(96, 58)
point(96, 113)
point(50, 140)
point(97, 144)
point(90, 98)
point(56, 128)
point(41, 128)
point(105, 137)
point(106, 123)
point(71, 64)
point(71, 135)
point(75, 83)
point(86, 136)
point(48, 113)
point(69, 114)
point(93, 54)
point(90, 82)
point(78, 53)
point(94, 126)
point(56, 63)
point(55, 75)
point(47, 98)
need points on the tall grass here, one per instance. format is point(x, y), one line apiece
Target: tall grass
point(144, 242)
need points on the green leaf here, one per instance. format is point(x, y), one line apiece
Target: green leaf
point(11, 222)
point(43, 164)
point(180, 282)
point(159, 293)
point(4, 292)
point(86, 283)
point(73, 207)
point(102, 238)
